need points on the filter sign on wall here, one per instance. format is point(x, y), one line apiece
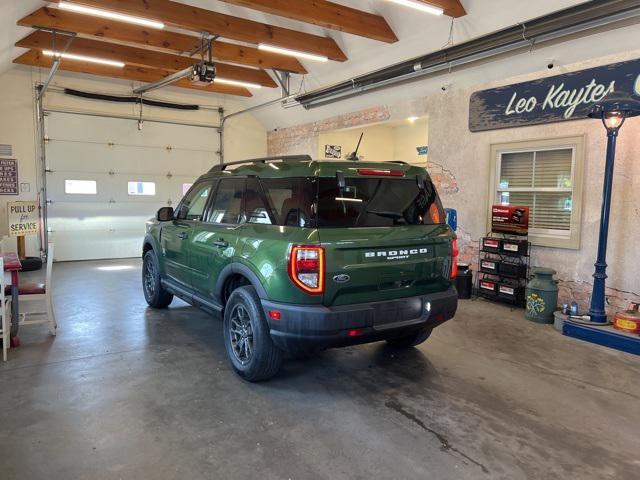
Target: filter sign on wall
point(510, 219)
point(23, 218)
point(560, 98)
point(8, 177)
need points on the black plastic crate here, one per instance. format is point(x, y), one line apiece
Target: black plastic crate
point(514, 270)
point(514, 247)
point(489, 266)
point(491, 245)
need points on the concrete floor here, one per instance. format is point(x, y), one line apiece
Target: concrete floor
point(125, 392)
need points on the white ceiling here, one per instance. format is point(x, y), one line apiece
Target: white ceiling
point(419, 33)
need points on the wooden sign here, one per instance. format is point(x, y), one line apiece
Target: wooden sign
point(9, 177)
point(553, 99)
point(510, 219)
point(23, 218)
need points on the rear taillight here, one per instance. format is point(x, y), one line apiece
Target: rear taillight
point(454, 259)
point(306, 268)
point(379, 172)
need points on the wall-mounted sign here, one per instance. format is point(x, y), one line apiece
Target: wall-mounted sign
point(23, 218)
point(333, 151)
point(8, 177)
point(553, 99)
point(423, 150)
point(510, 219)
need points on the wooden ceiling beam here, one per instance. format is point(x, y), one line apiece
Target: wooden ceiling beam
point(326, 14)
point(452, 8)
point(119, 32)
point(41, 40)
point(35, 58)
point(201, 20)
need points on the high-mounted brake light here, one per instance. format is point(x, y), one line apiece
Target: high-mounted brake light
point(454, 259)
point(306, 268)
point(378, 172)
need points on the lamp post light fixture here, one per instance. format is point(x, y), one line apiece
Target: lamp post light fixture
point(613, 111)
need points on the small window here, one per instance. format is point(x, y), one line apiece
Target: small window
point(186, 187)
point(290, 200)
point(546, 176)
point(80, 187)
point(193, 205)
point(227, 206)
point(255, 208)
point(141, 188)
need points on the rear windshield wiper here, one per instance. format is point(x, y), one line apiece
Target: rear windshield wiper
point(386, 214)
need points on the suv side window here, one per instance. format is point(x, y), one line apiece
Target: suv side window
point(193, 205)
point(227, 206)
point(256, 209)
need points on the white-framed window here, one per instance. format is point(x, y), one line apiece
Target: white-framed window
point(141, 188)
point(546, 176)
point(80, 187)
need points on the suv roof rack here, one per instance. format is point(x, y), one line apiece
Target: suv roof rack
point(284, 158)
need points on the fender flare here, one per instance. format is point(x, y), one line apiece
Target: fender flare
point(244, 271)
point(155, 246)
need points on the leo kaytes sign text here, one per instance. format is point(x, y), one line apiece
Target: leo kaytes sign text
point(553, 99)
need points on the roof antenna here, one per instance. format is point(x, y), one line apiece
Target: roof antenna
point(353, 156)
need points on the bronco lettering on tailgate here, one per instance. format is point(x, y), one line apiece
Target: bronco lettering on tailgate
point(398, 254)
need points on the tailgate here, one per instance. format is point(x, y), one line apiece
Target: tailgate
point(365, 265)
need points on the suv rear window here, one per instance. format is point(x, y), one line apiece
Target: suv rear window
point(377, 202)
point(364, 202)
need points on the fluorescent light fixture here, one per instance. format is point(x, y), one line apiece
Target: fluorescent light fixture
point(83, 58)
point(292, 53)
point(418, 5)
point(347, 199)
point(236, 83)
point(72, 7)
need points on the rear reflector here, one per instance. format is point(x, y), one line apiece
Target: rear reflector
point(378, 172)
point(356, 332)
point(275, 314)
point(306, 268)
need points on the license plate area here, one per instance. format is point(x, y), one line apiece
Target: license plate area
point(388, 313)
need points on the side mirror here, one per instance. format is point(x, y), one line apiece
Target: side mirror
point(165, 214)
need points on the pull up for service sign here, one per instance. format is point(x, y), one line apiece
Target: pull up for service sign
point(23, 218)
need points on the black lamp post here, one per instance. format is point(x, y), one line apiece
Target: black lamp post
point(613, 111)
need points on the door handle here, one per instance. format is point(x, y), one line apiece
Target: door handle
point(183, 235)
point(221, 243)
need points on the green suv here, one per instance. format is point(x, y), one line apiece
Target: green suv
point(302, 255)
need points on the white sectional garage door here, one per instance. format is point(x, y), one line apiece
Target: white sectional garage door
point(121, 176)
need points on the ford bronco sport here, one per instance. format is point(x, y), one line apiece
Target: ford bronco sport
point(301, 255)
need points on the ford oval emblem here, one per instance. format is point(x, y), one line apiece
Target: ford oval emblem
point(342, 278)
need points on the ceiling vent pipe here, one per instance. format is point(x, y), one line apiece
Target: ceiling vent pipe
point(571, 21)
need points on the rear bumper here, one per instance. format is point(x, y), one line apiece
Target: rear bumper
point(321, 327)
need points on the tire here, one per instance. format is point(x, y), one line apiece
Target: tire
point(155, 295)
point(251, 352)
point(31, 264)
point(412, 340)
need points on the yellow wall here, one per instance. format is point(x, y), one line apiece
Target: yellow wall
point(383, 142)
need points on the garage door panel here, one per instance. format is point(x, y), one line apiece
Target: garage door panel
point(111, 223)
point(73, 127)
point(95, 245)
